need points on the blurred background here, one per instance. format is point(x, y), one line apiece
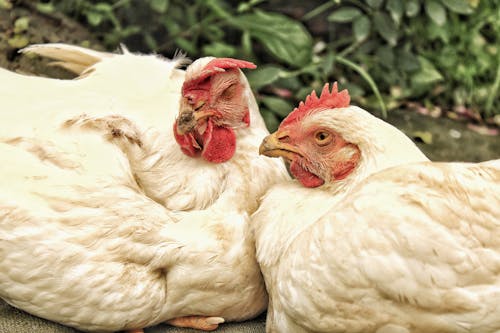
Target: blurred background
point(431, 67)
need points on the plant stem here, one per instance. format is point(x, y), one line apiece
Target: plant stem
point(318, 10)
point(367, 78)
point(349, 49)
point(361, 5)
point(186, 33)
point(120, 3)
point(299, 71)
point(218, 10)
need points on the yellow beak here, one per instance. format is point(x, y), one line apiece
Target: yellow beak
point(272, 146)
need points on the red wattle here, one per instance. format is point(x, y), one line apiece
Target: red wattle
point(305, 177)
point(187, 142)
point(219, 143)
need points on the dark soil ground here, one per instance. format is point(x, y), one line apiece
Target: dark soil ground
point(41, 28)
point(441, 139)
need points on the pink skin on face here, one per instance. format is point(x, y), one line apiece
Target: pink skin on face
point(317, 154)
point(324, 155)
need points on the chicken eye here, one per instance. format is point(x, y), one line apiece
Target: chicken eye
point(229, 92)
point(323, 138)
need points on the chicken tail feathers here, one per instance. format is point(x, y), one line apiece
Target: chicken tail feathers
point(76, 59)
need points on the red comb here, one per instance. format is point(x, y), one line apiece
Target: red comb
point(225, 63)
point(218, 65)
point(327, 100)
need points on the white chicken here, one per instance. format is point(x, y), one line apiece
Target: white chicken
point(105, 224)
point(373, 237)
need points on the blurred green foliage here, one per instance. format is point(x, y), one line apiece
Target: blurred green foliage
point(386, 52)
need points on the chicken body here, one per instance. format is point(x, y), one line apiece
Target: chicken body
point(400, 244)
point(105, 224)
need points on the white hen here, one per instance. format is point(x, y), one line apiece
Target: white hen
point(371, 239)
point(105, 224)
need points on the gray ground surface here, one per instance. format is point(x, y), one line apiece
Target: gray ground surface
point(451, 140)
point(15, 321)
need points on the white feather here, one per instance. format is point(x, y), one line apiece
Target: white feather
point(105, 224)
point(400, 245)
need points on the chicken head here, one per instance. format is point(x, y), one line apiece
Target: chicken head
point(316, 152)
point(213, 104)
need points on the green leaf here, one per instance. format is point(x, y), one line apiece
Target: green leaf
point(150, 41)
point(186, 45)
point(215, 32)
point(159, 6)
point(243, 7)
point(354, 89)
point(302, 93)
point(172, 26)
point(246, 44)
point(5, 4)
point(361, 28)
point(103, 7)
point(246, 6)
point(289, 82)
point(407, 61)
point(45, 8)
point(395, 8)
point(385, 27)
point(436, 12)
point(21, 24)
point(458, 6)
point(435, 31)
point(94, 18)
point(219, 49)
point(385, 56)
point(130, 30)
point(412, 8)
point(427, 75)
point(277, 105)
point(327, 63)
point(374, 3)
point(263, 75)
point(344, 14)
point(18, 41)
point(219, 8)
point(286, 39)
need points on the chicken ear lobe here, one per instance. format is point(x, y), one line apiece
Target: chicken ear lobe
point(342, 169)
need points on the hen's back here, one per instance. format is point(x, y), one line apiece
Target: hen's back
point(145, 89)
point(419, 241)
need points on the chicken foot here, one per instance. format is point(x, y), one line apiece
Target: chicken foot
point(197, 322)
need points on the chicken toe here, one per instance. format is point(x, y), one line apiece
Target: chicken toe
point(197, 322)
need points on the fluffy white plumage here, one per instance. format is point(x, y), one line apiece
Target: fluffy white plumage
point(105, 224)
point(400, 245)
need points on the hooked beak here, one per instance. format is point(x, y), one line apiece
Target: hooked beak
point(272, 146)
point(189, 117)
